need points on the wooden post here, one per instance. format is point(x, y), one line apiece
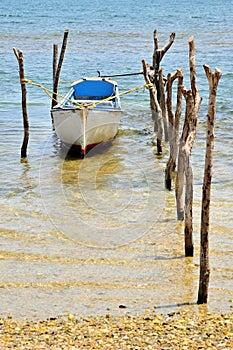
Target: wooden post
point(155, 107)
point(58, 68)
point(160, 131)
point(193, 102)
point(55, 60)
point(157, 58)
point(19, 56)
point(179, 186)
point(154, 75)
point(163, 104)
point(213, 79)
point(174, 124)
point(158, 54)
point(186, 150)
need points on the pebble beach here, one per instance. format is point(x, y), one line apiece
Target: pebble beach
point(177, 330)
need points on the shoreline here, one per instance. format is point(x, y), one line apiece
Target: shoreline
point(183, 329)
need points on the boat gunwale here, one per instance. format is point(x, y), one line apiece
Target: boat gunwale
point(68, 97)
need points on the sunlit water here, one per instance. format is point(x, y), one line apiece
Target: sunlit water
point(86, 236)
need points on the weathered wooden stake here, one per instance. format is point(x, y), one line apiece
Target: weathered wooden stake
point(157, 58)
point(174, 124)
point(154, 75)
point(213, 79)
point(55, 60)
point(158, 54)
point(58, 67)
point(188, 217)
point(179, 186)
point(19, 56)
point(193, 102)
point(163, 104)
point(155, 107)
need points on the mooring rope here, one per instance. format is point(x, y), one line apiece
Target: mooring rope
point(118, 75)
point(50, 93)
point(105, 76)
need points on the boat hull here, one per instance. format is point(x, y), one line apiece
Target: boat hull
point(85, 128)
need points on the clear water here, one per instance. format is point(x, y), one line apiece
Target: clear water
point(87, 235)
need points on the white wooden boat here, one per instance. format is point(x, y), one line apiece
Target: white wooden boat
point(89, 114)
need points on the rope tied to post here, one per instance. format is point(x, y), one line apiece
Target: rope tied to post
point(79, 105)
point(149, 86)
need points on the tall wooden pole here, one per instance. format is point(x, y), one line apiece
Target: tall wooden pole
point(19, 56)
point(155, 106)
point(154, 75)
point(157, 58)
point(213, 79)
point(174, 124)
point(55, 60)
point(58, 68)
point(193, 102)
point(163, 104)
point(159, 53)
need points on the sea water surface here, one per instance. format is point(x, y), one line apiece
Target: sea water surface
point(85, 236)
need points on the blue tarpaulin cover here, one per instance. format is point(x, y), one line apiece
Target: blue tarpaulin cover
point(97, 88)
